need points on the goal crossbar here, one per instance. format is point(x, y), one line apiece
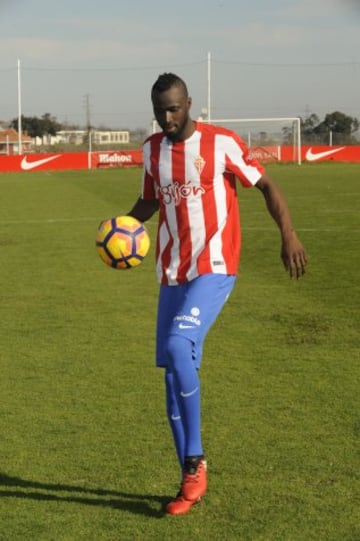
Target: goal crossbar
point(295, 120)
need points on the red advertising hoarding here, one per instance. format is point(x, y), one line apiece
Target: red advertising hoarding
point(70, 160)
point(126, 158)
point(320, 153)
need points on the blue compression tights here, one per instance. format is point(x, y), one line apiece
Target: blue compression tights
point(183, 398)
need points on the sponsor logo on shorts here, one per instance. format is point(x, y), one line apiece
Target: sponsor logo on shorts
point(186, 322)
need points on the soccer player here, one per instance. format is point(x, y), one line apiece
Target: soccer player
point(189, 176)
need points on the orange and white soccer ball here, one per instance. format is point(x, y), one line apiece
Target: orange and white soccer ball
point(122, 242)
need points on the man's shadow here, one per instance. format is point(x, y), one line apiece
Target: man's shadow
point(140, 504)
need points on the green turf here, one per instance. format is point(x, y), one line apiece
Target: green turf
point(86, 452)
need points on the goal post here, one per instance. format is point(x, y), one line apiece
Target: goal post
point(266, 137)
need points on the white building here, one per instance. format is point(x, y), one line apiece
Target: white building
point(77, 137)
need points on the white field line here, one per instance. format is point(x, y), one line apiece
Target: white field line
point(56, 221)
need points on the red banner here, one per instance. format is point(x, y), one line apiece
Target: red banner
point(70, 160)
point(42, 162)
point(126, 158)
point(320, 153)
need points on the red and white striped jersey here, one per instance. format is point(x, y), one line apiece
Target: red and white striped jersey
point(195, 182)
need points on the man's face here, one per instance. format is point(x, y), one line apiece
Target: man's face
point(171, 110)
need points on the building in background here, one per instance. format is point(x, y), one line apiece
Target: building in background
point(9, 142)
point(79, 137)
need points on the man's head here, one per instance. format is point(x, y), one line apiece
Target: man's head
point(171, 104)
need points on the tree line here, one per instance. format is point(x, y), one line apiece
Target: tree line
point(342, 128)
point(37, 126)
point(336, 127)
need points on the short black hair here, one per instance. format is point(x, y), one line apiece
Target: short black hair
point(166, 81)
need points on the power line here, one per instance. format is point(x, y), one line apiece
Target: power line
point(185, 64)
point(112, 69)
point(289, 65)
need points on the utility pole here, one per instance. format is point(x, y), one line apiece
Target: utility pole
point(87, 112)
point(88, 121)
point(209, 88)
point(20, 150)
point(88, 128)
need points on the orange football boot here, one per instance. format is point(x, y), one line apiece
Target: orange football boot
point(180, 506)
point(194, 482)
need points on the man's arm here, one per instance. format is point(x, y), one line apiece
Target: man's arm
point(292, 252)
point(144, 209)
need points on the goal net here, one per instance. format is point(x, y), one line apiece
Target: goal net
point(269, 139)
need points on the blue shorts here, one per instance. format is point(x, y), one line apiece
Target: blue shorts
point(189, 310)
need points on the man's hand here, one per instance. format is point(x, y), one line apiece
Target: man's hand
point(293, 255)
point(144, 209)
point(292, 252)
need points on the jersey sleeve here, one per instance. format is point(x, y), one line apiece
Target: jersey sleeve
point(238, 161)
point(148, 189)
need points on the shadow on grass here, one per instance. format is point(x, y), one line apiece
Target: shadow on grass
point(140, 504)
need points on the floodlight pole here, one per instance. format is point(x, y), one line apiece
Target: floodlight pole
point(90, 148)
point(19, 108)
point(209, 88)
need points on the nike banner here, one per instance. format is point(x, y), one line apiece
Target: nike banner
point(70, 160)
point(319, 153)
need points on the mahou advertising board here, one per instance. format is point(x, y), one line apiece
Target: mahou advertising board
point(106, 159)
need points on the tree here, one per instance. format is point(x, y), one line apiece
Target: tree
point(49, 124)
point(308, 126)
point(341, 127)
point(37, 127)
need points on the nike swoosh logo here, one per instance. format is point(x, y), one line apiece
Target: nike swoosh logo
point(27, 166)
point(182, 326)
point(314, 156)
point(186, 395)
point(175, 417)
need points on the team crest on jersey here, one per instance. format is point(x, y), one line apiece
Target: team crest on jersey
point(199, 164)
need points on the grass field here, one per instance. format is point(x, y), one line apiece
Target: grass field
point(86, 453)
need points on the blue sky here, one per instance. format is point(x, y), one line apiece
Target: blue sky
point(268, 58)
